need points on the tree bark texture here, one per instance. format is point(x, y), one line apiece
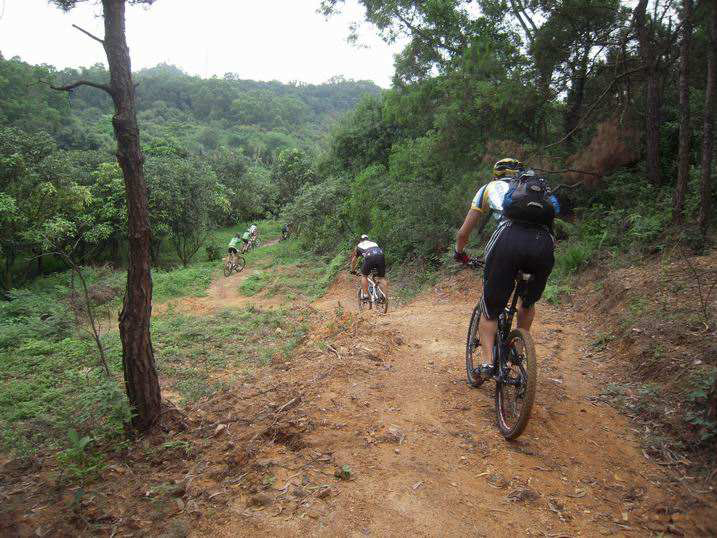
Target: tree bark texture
point(576, 96)
point(708, 127)
point(649, 58)
point(140, 373)
point(683, 161)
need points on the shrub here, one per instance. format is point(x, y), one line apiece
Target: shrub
point(214, 253)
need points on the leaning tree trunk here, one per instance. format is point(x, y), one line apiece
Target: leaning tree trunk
point(140, 373)
point(649, 58)
point(683, 163)
point(708, 127)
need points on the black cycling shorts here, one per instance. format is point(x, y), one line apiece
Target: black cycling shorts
point(232, 250)
point(515, 247)
point(374, 262)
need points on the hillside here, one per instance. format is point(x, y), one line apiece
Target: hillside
point(293, 416)
point(175, 109)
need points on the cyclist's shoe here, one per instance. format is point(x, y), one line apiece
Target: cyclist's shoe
point(364, 296)
point(484, 370)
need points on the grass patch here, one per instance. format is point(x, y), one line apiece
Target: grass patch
point(255, 283)
point(194, 353)
point(293, 274)
point(51, 383)
point(192, 281)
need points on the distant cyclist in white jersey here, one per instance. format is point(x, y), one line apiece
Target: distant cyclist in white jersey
point(373, 260)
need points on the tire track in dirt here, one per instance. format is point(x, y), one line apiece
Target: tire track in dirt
point(428, 460)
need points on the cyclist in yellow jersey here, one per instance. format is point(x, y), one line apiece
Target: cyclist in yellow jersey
point(514, 246)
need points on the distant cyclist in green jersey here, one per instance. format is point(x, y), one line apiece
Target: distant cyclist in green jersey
point(233, 251)
point(246, 237)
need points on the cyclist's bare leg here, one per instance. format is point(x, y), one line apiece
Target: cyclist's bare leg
point(364, 285)
point(525, 317)
point(486, 332)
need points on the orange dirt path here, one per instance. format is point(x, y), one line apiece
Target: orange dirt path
point(428, 460)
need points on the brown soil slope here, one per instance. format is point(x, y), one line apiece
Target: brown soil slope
point(425, 456)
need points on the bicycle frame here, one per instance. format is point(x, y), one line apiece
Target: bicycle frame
point(372, 288)
point(505, 323)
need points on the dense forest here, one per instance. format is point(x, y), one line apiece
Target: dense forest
point(621, 95)
point(219, 151)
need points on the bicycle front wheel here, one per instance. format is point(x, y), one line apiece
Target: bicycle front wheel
point(515, 391)
point(228, 267)
point(473, 350)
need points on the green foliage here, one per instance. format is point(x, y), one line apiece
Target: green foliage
point(77, 461)
point(194, 352)
point(217, 152)
point(213, 253)
point(343, 473)
point(190, 281)
point(185, 200)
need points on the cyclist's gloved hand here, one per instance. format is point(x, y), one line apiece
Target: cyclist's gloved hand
point(461, 257)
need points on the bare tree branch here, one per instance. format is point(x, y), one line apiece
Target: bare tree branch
point(567, 170)
point(89, 34)
point(595, 104)
point(516, 12)
point(566, 186)
point(78, 83)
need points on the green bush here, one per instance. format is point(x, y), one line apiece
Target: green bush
point(214, 253)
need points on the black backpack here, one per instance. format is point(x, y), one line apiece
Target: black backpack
point(528, 200)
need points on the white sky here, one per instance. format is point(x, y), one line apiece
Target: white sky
point(258, 39)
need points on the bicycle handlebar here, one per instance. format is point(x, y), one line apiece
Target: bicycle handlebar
point(475, 263)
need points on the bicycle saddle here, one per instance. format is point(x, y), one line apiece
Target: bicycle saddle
point(526, 277)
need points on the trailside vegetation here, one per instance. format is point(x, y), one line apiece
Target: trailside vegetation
point(217, 152)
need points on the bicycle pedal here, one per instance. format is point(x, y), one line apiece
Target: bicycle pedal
point(484, 370)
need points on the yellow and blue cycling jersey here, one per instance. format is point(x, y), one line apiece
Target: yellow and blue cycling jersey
point(489, 198)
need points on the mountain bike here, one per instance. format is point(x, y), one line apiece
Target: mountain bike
point(376, 297)
point(237, 265)
point(514, 367)
point(252, 244)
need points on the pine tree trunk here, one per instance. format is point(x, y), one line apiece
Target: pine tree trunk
point(652, 127)
point(648, 56)
point(683, 163)
point(708, 127)
point(140, 373)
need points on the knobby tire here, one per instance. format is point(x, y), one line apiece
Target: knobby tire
point(473, 348)
point(240, 264)
point(381, 306)
point(529, 372)
point(360, 301)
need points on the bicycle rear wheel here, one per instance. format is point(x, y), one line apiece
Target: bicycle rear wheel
point(382, 303)
point(361, 302)
point(228, 268)
point(515, 394)
point(473, 350)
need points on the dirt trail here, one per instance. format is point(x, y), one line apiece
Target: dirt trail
point(223, 293)
point(427, 459)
